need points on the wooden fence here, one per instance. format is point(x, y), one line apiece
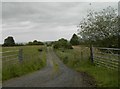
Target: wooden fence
point(106, 57)
point(12, 56)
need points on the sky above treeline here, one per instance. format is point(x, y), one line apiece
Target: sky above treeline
point(45, 21)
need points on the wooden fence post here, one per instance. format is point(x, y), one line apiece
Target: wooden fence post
point(20, 55)
point(91, 54)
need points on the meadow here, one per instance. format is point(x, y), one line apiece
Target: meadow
point(79, 60)
point(33, 60)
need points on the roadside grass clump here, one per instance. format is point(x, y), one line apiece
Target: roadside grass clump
point(32, 60)
point(79, 60)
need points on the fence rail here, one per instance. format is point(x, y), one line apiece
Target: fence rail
point(9, 51)
point(108, 48)
point(9, 56)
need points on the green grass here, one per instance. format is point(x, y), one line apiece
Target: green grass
point(32, 60)
point(56, 67)
point(78, 61)
point(104, 77)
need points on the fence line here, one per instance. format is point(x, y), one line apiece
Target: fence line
point(106, 57)
point(9, 60)
point(14, 55)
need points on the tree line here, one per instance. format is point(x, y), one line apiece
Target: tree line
point(9, 41)
point(98, 29)
point(61, 43)
point(65, 44)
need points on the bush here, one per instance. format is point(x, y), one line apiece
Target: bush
point(40, 50)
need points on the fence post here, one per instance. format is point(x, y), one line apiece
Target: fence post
point(20, 55)
point(91, 54)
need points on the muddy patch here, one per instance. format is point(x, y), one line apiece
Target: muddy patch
point(87, 79)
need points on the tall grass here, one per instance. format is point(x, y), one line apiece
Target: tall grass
point(32, 60)
point(78, 59)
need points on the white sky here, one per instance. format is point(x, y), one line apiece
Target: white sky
point(60, 0)
point(45, 21)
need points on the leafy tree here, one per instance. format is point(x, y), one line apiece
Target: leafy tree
point(100, 27)
point(62, 43)
point(74, 40)
point(9, 41)
point(35, 41)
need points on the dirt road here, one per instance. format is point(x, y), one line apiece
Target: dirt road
point(55, 74)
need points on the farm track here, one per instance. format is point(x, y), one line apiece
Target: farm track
point(50, 77)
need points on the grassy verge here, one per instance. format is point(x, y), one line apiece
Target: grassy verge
point(32, 60)
point(0, 66)
point(73, 58)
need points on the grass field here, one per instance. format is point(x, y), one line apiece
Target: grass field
point(78, 59)
point(32, 60)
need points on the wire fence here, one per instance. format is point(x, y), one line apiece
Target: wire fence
point(84, 53)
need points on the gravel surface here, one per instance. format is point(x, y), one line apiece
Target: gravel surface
point(48, 77)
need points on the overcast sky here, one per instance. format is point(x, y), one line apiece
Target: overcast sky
point(45, 21)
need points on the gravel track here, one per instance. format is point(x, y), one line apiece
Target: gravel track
point(47, 77)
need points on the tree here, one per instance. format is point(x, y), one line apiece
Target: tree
point(9, 41)
point(100, 26)
point(74, 40)
point(62, 43)
point(35, 41)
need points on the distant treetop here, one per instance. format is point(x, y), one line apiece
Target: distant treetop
point(74, 40)
point(9, 41)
